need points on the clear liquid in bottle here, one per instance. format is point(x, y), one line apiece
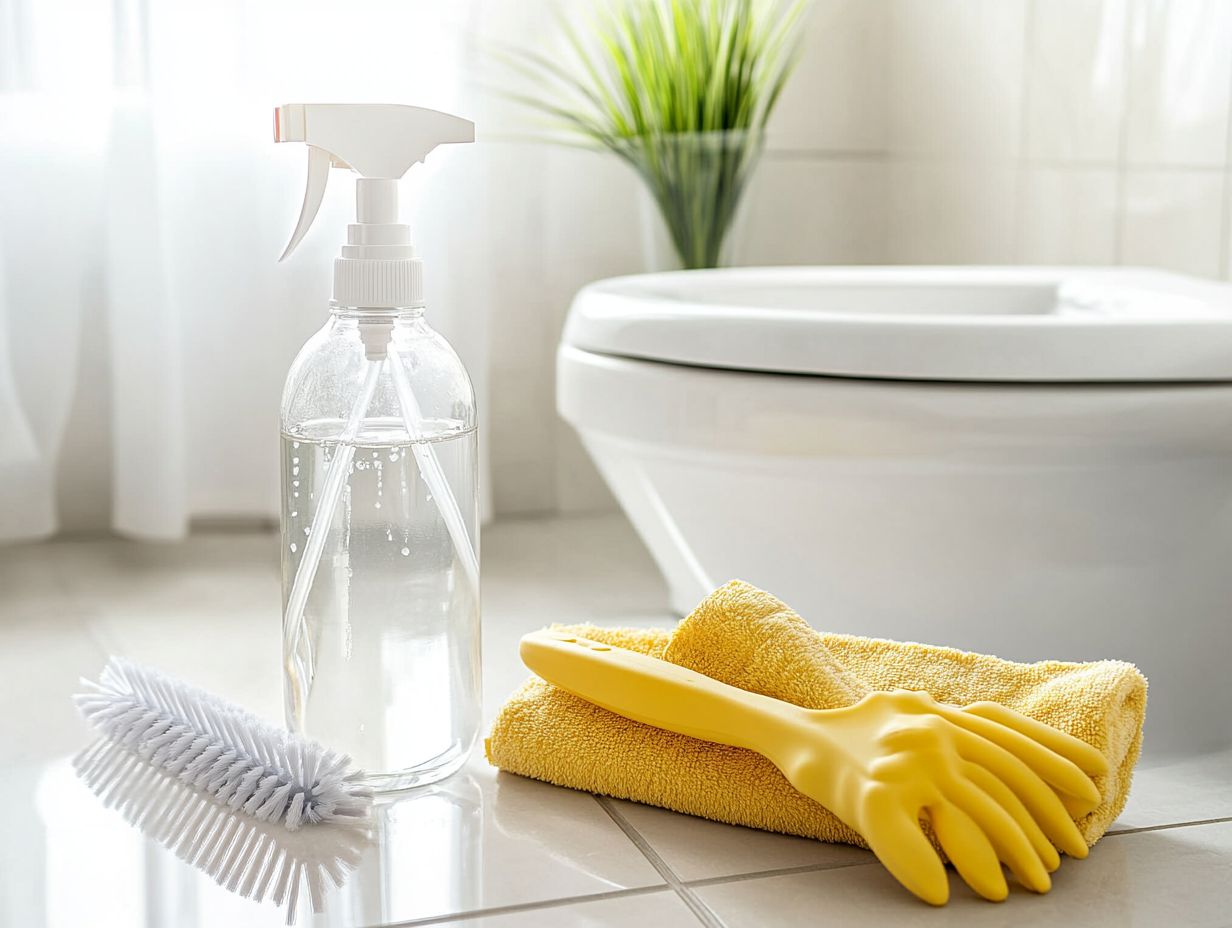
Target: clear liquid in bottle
point(386, 668)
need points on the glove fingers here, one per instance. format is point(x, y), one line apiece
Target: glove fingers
point(1044, 805)
point(1009, 841)
point(1052, 767)
point(969, 850)
point(895, 837)
point(1004, 797)
point(1089, 759)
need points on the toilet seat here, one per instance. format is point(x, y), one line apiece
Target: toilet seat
point(946, 324)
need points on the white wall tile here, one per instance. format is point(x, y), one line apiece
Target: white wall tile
point(950, 213)
point(1075, 94)
point(1067, 216)
point(1180, 76)
point(835, 98)
point(812, 211)
point(1174, 220)
point(955, 76)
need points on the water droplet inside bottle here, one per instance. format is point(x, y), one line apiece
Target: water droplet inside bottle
point(293, 548)
point(406, 552)
point(376, 505)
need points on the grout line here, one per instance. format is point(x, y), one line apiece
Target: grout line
point(525, 907)
point(1168, 827)
point(700, 910)
point(780, 871)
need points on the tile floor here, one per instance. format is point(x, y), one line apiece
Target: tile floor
point(481, 849)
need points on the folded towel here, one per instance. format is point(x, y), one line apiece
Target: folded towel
point(745, 637)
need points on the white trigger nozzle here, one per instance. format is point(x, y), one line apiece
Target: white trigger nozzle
point(378, 267)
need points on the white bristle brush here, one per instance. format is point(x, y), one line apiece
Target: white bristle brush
point(225, 751)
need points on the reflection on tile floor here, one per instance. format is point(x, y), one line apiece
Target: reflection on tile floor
point(1180, 876)
point(482, 848)
point(697, 849)
point(643, 910)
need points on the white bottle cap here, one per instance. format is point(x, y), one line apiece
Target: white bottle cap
point(378, 266)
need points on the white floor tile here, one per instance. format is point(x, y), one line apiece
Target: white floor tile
point(657, 909)
point(208, 610)
point(1170, 791)
point(477, 841)
point(1173, 877)
point(42, 659)
point(698, 849)
point(485, 839)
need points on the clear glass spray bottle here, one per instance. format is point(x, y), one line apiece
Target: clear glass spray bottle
point(380, 557)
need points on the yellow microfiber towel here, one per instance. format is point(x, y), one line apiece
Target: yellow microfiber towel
point(747, 638)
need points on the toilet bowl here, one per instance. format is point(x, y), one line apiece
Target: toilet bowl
point(1029, 462)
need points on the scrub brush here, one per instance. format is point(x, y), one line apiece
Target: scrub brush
point(226, 752)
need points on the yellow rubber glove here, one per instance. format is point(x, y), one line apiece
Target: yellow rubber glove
point(996, 786)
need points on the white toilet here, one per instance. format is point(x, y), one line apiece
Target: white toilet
point(1031, 462)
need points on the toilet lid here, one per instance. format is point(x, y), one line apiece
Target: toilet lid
point(976, 324)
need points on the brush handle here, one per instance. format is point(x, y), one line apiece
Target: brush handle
point(665, 695)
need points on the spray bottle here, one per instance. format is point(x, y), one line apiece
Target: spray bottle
point(380, 564)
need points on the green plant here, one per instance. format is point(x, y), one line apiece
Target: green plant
point(681, 90)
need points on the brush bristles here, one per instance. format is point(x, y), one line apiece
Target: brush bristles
point(215, 746)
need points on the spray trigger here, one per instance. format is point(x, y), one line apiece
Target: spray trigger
point(318, 176)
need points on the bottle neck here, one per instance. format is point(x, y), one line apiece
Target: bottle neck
point(376, 313)
point(376, 324)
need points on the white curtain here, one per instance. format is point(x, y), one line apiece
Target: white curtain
point(145, 328)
